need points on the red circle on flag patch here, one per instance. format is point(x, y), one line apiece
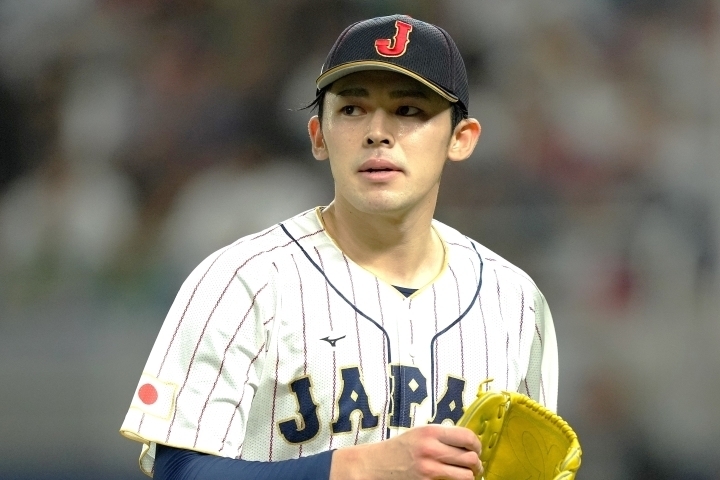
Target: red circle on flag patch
point(148, 394)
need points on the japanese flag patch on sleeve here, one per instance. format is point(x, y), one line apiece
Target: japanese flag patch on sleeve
point(154, 397)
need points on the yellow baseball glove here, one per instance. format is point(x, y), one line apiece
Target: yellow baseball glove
point(520, 438)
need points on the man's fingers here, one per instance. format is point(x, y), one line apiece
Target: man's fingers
point(456, 447)
point(462, 458)
point(460, 437)
point(458, 473)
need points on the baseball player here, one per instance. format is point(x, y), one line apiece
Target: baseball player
point(346, 341)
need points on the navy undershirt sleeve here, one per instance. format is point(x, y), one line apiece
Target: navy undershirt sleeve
point(178, 464)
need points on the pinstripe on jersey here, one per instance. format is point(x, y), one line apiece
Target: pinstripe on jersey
point(280, 346)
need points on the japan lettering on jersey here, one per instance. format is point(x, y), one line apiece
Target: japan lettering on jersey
point(279, 346)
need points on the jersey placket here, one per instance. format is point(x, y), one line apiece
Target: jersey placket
point(412, 354)
point(402, 367)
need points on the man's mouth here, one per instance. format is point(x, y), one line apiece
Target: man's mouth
point(378, 165)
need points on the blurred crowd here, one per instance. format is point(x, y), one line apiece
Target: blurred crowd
point(138, 136)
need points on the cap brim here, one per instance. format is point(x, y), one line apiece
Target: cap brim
point(351, 67)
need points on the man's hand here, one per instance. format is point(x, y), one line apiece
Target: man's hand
point(427, 452)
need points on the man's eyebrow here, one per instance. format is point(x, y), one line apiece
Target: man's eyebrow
point(353, 92)
point(412, 93)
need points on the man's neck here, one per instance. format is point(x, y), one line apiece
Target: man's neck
point(401, 250)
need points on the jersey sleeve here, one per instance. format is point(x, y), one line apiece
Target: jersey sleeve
point(541, 379)
point(199, 380)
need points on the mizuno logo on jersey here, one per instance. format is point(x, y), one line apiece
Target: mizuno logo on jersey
point(409, 387)
point(332, 341)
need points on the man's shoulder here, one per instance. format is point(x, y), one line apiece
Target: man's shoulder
point(462, 246)
point(258, 251)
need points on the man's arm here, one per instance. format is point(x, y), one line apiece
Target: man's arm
point(178, 464)
point(427, 452)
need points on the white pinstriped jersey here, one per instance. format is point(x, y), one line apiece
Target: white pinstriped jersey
point(279, 346)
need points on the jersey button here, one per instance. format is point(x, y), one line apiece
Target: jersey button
point(413, 352)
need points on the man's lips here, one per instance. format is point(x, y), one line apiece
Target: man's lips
point(379, 165)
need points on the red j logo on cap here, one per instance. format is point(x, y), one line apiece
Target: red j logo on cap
point(396, 46)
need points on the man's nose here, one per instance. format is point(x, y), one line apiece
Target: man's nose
point(380, 129)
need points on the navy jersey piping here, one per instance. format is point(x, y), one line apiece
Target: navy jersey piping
point(352, 305)
point(434, 339)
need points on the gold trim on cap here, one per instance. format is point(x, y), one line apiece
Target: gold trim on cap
point(346, 68)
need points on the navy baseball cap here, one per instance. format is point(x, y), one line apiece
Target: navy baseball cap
point(401, 44)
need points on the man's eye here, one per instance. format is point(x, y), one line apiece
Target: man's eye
point(351, 110)
point(407, 111)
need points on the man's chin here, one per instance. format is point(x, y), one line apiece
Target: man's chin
point(382, 203)
point(384, 207)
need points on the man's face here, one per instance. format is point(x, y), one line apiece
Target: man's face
point(387, 137)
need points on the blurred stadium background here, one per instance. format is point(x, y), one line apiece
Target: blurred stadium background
point(138, 136)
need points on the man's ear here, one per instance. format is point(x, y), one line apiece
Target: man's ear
point(463, 140)
point(319, 149)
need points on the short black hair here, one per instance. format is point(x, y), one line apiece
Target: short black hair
point(457, 114)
